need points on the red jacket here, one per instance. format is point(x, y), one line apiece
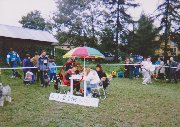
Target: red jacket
point(66, 77)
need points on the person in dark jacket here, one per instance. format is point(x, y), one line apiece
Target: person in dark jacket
point(167, 70)
point(70, 63)
point(131, 68)
point(126, 68)
point(173, 68)
point(102, 76)
point(27, 63)
point(43, 65)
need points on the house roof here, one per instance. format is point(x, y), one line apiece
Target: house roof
point(25, 33)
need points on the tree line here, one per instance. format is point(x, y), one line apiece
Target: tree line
point(107, 25)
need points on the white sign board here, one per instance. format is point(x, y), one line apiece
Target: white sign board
point(74, 99)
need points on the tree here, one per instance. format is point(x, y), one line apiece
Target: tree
point(175, 37)
point(68, 22)
point(68, 16)
point(34, 20)
point(73, 23)
point(170, 18)
point(93, 17)
point(142, 41)
point(107, 40)
point(120, 19)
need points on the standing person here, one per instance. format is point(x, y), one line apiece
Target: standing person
point(126, 68)
point(52, 69)
point(173, 68)
point(161, 69)
point(157, 63)
point(71, 61)
point(34, 61)
point(167, 70)
point(142, 66)
point(27, 63)
point(136, 71)
point(178, 71)
point(146, 68)
point(12, 60)
point(131, 68)
point(43, 65)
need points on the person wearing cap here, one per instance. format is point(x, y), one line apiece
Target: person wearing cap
point(12, 60)
point(52, 69)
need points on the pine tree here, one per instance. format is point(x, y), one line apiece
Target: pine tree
point(120, 19)
point(170, 19)
point(142, 41)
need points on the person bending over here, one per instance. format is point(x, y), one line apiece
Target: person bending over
point(102, 75)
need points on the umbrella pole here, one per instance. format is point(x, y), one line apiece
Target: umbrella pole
point(85, 85)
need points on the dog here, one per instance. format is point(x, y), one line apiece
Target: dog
point(18, 75)
point(57, 81)
point(5, 91)
point(46, 80)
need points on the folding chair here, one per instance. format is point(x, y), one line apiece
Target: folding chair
point(99, 91)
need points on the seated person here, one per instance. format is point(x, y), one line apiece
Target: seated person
point(68, 74)
point(29, 78)
point(93, 80)
point(102, 75)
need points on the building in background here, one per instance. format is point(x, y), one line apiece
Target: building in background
point(24, 40)
point(172, 49)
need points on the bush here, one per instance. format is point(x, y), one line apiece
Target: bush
point(59, 57)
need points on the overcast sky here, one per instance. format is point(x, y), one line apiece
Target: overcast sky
point(11, 11)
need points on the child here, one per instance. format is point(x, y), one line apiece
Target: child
point(53, 70)
point(27, 63)
point(29, 78)
point(136, 71)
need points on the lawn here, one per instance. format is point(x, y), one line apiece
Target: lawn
point(129, 104)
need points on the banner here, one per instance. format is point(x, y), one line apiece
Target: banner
point(71, 99)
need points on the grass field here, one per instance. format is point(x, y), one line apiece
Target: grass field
point(129, 104)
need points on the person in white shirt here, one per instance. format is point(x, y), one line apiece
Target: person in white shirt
point(147, 69)
point(92, 79)
point(142, 67)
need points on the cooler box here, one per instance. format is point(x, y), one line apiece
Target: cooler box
point(120, 74)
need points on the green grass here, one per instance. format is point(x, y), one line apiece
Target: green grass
point(129, 104)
